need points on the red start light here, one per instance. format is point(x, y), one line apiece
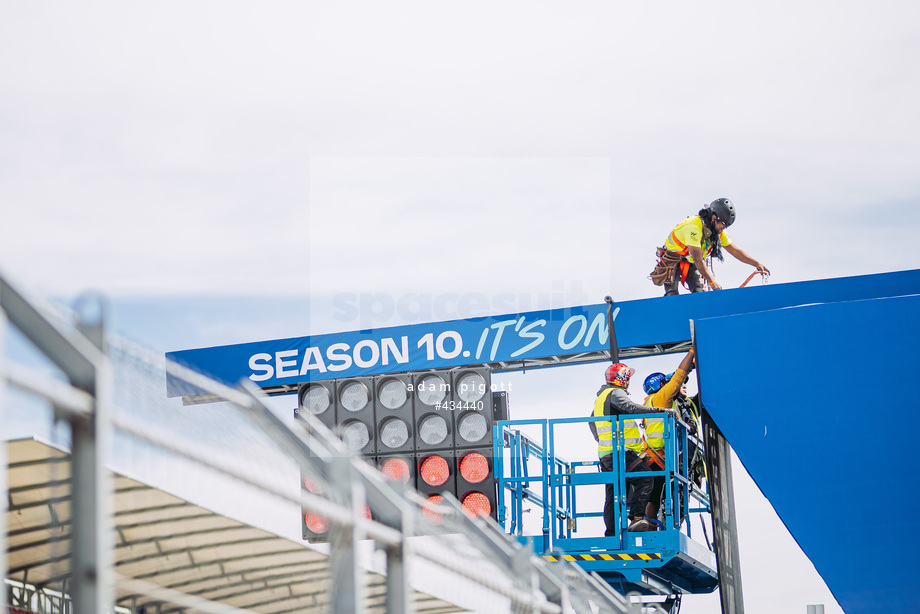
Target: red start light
point(476, 504)
point(474, 467)
point(312, 486)
point(316, 523)
point(434, 470)
point(430, 514)
point(396, 469)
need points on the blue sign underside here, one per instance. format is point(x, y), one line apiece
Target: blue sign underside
point(791, 391)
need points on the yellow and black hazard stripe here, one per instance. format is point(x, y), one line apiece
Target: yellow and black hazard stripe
point(651, 556)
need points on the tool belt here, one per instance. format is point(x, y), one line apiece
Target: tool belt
point(665, 272)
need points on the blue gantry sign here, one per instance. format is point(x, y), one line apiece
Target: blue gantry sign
point(512, 340)
point(417, 347)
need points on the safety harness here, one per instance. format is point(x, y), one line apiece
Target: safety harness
point(684, 263)
point(673, 266)
point(690, 415)
point(650, 455)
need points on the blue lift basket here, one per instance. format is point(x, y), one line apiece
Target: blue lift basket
point(676, 559)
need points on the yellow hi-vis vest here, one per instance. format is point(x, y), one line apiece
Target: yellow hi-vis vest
point(690, 229)
point(654, 432)
point(604, 428)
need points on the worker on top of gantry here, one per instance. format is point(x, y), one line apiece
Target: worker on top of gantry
point(613, 399)
point(646, 437)
point(683, 257)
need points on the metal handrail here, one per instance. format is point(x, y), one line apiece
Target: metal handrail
point(558, 500)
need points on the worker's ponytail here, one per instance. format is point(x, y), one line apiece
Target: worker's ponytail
point(706, 216)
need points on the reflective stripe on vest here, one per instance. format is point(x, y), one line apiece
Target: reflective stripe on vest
point(683, 249)
point(604, 428)
point(693, 411)
point(632, 436)
point(654, 429)
point(654, 432)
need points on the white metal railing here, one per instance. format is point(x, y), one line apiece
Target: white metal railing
point(112, 396)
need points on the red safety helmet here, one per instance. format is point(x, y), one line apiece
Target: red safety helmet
point(618, 374)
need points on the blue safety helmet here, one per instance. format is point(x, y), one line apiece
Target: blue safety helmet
point(653, 382)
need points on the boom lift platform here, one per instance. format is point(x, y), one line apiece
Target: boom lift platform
point(671, 561)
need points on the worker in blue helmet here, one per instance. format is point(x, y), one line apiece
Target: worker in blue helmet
point(648, 434)
point(660, 390)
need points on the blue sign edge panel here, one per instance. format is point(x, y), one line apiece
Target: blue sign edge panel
point(511, 338)
point(790, 390)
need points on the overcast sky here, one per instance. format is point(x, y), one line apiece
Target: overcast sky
point(234, 172)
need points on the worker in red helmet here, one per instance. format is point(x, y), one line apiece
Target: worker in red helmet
point(613, 399)
point(698, 238)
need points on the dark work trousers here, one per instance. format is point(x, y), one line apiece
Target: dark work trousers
point(657, 497)
point(638, 490)
point(694, 281)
